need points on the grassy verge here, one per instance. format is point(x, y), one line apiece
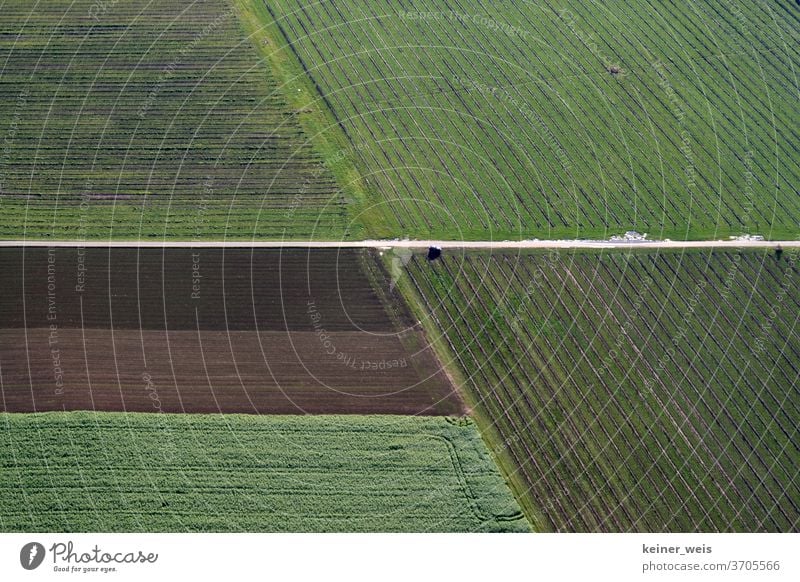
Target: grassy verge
point(313, 114)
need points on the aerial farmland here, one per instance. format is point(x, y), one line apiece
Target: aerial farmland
point(139, 120)
point(420, 266)
point(610, 418)
point(557, 119)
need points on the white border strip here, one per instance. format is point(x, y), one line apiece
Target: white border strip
point(388, 557)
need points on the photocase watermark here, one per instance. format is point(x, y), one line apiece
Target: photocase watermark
point(320, 168)
point(83, 220)
point(65, 558)
point(31, 555)
point(506, 444)
point(52, 322)
point(690, 170)
point(99, 9)
point(316, 322)
point(200, 223)
point(749, 155)
point(739, 17)
point(200, 220)
point(643, 288)
point(80, 269)
point(150, 388)
point(682, 331)
point(514, 310)
point(344, 358)
point(197, 276)
point(730, 276)
point(167, 444)
point(372, 365)
point(453, 16)
point(503, 95)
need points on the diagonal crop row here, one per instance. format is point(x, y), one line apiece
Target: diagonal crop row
point(525, 118)
point(632, 392)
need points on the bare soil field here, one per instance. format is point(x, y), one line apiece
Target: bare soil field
point(268, 332)
point(180, 289)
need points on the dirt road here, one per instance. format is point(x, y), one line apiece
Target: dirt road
point(414, 244)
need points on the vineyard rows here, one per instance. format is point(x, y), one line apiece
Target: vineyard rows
point(140, 119)
point(641, 391)
point(519, 119)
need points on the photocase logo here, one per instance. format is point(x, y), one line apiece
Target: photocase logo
point(32, 555)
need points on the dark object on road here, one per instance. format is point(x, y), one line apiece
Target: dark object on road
point(434, 253)
point(778, 252)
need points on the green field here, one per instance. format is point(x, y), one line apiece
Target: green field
point(158, 472)
point(552, 119)
point(636, 391)
point(146, 120)
point(435, 118)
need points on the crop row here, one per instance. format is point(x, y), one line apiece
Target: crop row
point(637, 391)
point(508, 120)
point(139, 119)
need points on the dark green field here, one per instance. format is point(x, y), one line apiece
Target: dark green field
point(158, 472)
point(631, 391)
point(146, 120)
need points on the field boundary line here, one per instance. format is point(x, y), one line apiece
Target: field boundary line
point(486, 427)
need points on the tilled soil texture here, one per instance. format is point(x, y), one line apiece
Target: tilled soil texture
point(210, 330)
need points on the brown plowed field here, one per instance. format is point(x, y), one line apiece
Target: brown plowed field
point(251, 341)
point(175, 289)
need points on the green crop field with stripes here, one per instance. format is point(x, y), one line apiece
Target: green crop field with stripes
point(155, 120)
point(637, 391)
point(510, 120)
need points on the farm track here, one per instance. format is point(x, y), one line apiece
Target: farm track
point(410, 244)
